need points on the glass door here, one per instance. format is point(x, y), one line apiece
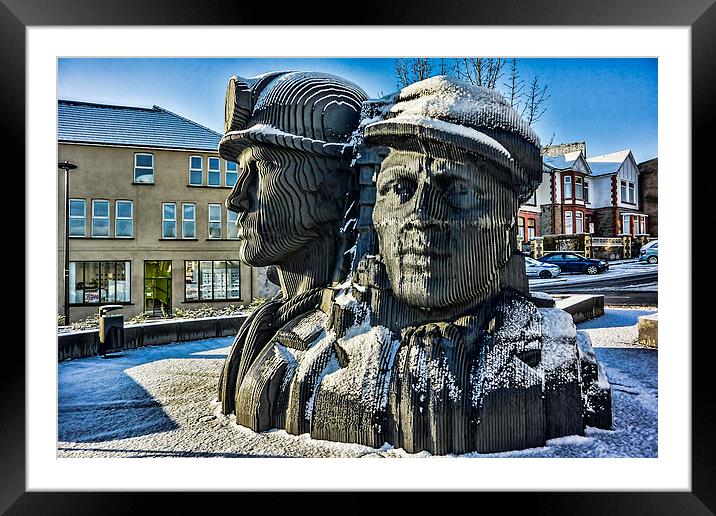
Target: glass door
point(158, 287)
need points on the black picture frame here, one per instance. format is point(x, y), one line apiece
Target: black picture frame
point(700, 15)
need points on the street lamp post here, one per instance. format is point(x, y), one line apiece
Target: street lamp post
point(67, 166)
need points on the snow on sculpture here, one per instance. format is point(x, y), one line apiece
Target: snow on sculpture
point(432, 342)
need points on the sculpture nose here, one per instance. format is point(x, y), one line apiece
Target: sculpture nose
point(427, 202)
point(240, 198)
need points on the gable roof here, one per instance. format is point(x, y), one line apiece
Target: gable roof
point(86, 122)
point(566, 161)
point(608, 163)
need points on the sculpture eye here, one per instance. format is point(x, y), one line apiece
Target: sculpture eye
point(402, 187)
point(462, 194)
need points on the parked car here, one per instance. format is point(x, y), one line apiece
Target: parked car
point(541, 269)
point(571, 262)
point(649, 252)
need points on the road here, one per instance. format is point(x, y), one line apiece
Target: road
point(625, 284)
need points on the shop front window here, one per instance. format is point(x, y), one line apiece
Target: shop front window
point(99, 282)
point(215, 280)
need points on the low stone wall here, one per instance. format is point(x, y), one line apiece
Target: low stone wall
point(649, 330)
point(85, 343)
point(582, 307)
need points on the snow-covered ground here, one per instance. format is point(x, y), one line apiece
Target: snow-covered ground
point(619, 270)
point(161, 402)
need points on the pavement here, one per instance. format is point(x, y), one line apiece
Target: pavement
point(160, 401)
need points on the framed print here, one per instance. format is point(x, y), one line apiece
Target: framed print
point(38, 35)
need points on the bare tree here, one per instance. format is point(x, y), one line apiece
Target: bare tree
point(536, 97)
point(408, 71)
point(530, 101)
point(515, 86)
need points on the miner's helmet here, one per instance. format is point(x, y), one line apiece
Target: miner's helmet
point(307, 111)
point(447, 113)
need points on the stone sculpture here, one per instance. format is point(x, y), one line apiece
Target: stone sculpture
point(433, 342)
point(288, 132)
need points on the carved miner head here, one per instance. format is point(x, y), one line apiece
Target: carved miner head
point(287, 131)
point(459, 162)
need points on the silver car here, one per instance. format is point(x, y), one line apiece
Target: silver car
point(542, 270)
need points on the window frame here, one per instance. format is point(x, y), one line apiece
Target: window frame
point(200, 170)
point(579, 188)
point(214, 221)
point(134, 176)
point(568, 215)
point(84, 217)
point(531, 235)
point(229, 223)
point(209, 171)
point(108, 218)
point(174, 220)
point(127, 280)
point(578, 221)
point(567, 180)
point(130, 218)
point(631, 192)
point(586, 191)
point(227, 171)
point(623, 190)
point(200, 283)
point(183, 220)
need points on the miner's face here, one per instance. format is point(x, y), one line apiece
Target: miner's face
point(284, 199)
point(444, 227)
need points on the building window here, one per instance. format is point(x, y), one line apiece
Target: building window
point(196, 172)
point(99, 282)
point(232, 173)
point(169, 220)
point(188, 220)
point(578, 191)
point(144, 168)
point(232, 232)
point(624, 191)
point(214, 174)
point(626, 225)
point(631, 192)
point(123, 222)
point(100, 218)
point(579, 222)
point(531, 229)
point(520, 229)
point(568, 226)
point(212, 280)
point(78, 214)
point(215, 221)
point(586, 191)
point(567, 187)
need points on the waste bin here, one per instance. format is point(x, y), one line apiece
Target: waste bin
point(111, 329)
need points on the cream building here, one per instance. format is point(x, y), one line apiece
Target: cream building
point(148, 225)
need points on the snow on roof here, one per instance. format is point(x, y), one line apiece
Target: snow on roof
point(559, 162)
point(607, 163)
point(86, 122)
point(562, 161)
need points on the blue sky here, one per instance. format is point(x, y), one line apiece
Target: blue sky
point(609, 103)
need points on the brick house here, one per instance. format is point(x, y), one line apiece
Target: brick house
point(599, 195)
point(615, 177)
point(649, 193)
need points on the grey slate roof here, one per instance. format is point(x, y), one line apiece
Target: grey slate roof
point(85, 122)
